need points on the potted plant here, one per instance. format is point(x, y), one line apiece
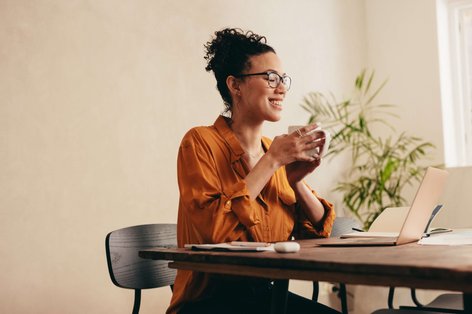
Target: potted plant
point(381, 166)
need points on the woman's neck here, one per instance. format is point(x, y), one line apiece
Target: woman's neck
point(249, 136)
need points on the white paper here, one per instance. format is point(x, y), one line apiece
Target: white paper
point(456, 237)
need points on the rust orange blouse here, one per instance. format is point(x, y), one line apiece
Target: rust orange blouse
point(215, 207)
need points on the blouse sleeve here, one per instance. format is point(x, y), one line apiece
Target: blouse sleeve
point(215, 212)
point(305, 228)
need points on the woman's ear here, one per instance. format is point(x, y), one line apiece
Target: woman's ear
point(233, 84)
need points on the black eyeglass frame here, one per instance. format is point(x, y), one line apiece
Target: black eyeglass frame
point(282, 79)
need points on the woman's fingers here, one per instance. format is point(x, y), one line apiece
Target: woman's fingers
point(298, 145)
point(308, 128)
point(304, 130)
point(319, 142)
point(313, 144)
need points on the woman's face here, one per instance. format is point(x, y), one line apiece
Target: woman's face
point(258, 101)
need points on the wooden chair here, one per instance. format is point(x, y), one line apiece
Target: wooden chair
point(341, 225)
point(444, 303)
point(128, 270)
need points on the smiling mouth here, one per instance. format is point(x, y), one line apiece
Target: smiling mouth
point(276, 102)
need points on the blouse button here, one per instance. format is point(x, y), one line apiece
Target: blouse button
point(228, 204)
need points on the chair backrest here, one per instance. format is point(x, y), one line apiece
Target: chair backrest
point(127, 269)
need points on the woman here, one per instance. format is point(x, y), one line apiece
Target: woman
point(236, 184)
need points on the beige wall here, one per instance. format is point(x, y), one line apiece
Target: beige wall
point(96, 95)
point(402, 46)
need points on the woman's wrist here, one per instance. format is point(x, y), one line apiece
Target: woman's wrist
point(272, 161)
point(296, 186)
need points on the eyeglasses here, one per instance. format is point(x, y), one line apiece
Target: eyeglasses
point(273, 78)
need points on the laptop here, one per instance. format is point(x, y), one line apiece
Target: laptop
point(416, 220)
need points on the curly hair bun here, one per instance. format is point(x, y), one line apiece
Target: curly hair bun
point(231, 43)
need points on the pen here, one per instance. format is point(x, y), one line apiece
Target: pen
point(249, 244)
point(357, 229)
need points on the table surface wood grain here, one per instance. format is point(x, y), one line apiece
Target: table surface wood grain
point(410, 265)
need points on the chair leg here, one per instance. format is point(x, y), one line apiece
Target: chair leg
point(316, 291)
point(343, 295)
point(414, 298)
point(391, 294)
point(137, 301)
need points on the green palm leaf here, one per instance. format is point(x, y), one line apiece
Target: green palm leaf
point(380, 167)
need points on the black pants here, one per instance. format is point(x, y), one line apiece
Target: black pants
point(252, 300)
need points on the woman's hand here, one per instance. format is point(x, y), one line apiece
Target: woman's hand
point(299, 152)
point(296, 146)
point(298, 170)
point(291, 150)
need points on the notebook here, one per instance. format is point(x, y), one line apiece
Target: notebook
point(233, 246)
point(416, 220)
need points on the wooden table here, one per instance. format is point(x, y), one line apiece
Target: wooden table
point(410, 265)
